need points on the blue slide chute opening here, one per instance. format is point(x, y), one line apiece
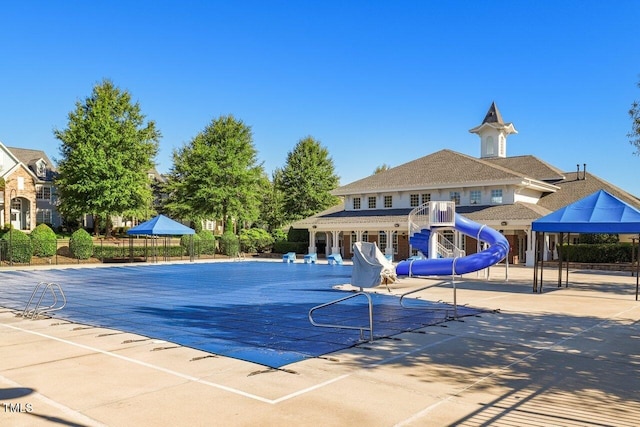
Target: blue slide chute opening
point(496, 252)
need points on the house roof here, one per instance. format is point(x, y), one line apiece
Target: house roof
point(338, 215)
point(30, 157)
point(448, 167)
point(600, 212)
point(493, 115)
point(445, 168)
point(529, 166)
point(573, 188)
point(518, 211)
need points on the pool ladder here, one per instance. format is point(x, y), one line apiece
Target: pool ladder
point(32, 312)
point(342, 326)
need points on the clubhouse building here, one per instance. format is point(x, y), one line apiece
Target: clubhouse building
point(504, 193)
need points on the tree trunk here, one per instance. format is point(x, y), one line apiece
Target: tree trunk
point(96, 225)
point(108, 226)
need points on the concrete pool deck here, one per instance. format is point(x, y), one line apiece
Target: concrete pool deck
point(566, 357)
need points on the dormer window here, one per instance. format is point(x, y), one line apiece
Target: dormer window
point(41, 168)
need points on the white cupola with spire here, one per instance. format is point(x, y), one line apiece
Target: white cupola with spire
point(493, 134)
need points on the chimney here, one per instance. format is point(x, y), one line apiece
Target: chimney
point(584, 171)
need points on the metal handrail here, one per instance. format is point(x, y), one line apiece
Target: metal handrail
point(37, 310)
point(448, 248)
point(360, 328)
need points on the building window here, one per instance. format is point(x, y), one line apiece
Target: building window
point(394, 242)
point(388, 201)
point(490, 147)
point(475, 197)
point(372, 202)
point(426, 198)
point(415, 200)
point(43, 193)
point(382, 240)
point(43, 216)
point(454, 196)
point(354, 237)
point(356, 203)
point(496, 197)
point(41, 168)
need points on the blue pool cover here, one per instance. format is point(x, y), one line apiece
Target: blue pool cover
point(254, 311)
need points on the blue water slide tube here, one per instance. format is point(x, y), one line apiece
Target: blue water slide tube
point(496, 252)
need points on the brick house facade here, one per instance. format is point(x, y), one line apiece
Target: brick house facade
point(27, 196)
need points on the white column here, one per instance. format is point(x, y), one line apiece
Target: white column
point(531, 244)
point(335, 242)
point(389, 249)
point(433, 244)
point(312, 242)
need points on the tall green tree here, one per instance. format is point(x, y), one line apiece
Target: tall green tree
point(307, 179)
point(106, 152)
point(634, 135)
point(383, 167)
point(216, 175)
point(272, 214)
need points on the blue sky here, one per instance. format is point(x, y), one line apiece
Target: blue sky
point(376, 82)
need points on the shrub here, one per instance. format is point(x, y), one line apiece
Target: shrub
point(44, 241)
point(284, 247)
point(21, 247)
point(207, 242)
point(298, 235)
point(229, 244)
point(81, 244)
point(185, 242)
point(255, 240)
point(279, 235)
point(597, 253)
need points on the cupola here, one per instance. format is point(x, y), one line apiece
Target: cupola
point(493, 134)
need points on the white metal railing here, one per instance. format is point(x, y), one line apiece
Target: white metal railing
point(447, 249)
point(419, 218)
point(442, 214)
point(430, 214)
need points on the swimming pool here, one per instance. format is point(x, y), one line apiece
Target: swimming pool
point(254, 311)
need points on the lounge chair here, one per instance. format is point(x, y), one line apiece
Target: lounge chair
point(289, 257)
point(334, 259)
point(310, 258)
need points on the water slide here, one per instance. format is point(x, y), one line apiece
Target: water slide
point(496, 252)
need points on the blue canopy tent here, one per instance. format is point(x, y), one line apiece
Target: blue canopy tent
point(162, 226)
point(600, 212)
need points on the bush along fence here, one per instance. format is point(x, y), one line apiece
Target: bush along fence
point(17, 248)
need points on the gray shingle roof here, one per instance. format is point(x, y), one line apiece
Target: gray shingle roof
point(30, 157)
point(493, 115)
point(573, 189)
point(444, 167)
point(529, 166)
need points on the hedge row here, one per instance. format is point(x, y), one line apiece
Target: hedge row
point(597, 253)
point(297, 247)
point(109, 252)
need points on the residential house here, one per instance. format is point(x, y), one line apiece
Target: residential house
point(27, 195)
point(505, 193)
